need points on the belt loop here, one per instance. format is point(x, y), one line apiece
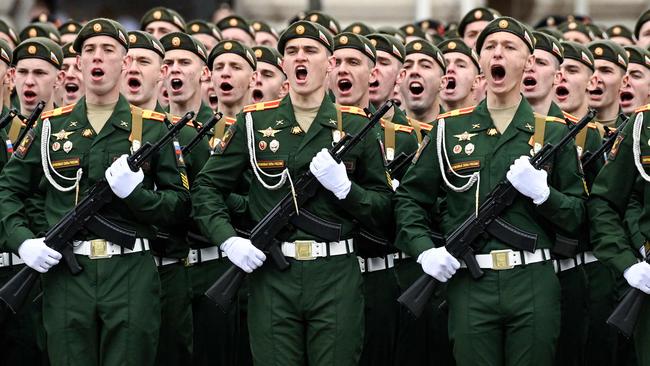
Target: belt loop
point(198, 256)
point(121, 247)
point(348, 251)
point(523, 258)
point(219, 253)
point(10, 258)
point(328, 249)
point(544, 254)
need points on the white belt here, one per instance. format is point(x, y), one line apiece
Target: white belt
point(9, 259)
point(163, 261)
point(567, 264)
point(309, 249)
point(508, 259)
point(589, 257)
point(376, 264)
point(204, 255)
point(100, 248)
point(400, 256)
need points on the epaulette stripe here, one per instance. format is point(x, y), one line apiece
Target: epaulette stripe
point(426, 126)
point(642, 109)
point(555, 119)
point(397, 127)
point(262, 106)
point(353, 110)
point(456, 112)
point(57, 111)
point(149, 114)
point(570, 117)
point(592, 125)
point(230, 121)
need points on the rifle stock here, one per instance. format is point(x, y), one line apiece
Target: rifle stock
point(626, 313)
point(460, 243)
point(223, 291)
point(16, 291)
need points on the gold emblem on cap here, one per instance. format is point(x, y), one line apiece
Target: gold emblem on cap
point(598, 51)
point(227, 46)
point(616, 30)
point(573, 25)
point(32, 32)
point(356, 29)
point(257, 26)
point(417, 46)
point(71, 49)
point(176, 41)
point(72, 27)
point(451, 45)
point(374, 42)
point(132, 38)
point(628, 53)
point(343, 40)
point(258, 53)
point(410, 29)
point(31, 50)
point(195, 27)
point(157, 14)
point(503, 24)
point(314, 17)
point(478, 14)
point(97, 27)
point(232, 22)
point(300, 29)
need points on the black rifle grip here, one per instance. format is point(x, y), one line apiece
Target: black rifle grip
point(70, 259)
point(275, 252)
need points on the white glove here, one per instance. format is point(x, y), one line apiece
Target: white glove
point(331, 175)
point(395, 184)
point(438, 263)
point(638, 276)
point(37, 255)
point(121, 178)
point(243, 253)
point(529, 181)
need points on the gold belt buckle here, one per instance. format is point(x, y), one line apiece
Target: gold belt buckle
point(303, 250)
point(99, 249)
point(501, 259)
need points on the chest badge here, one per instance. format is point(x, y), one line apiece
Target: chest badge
point(465, 136)
point(492, 132)
point(262, 145)
point(269, 132)
point(458, 149)
point(469, 148)
point(67, 146)
point(73, 124)
point(476, 125)
point(296, 130)
point(87, 133)
point(529, 127)
point(279, 122)
point(274, 145)
point(56, 146)
point(62, 135)
point(124, 124)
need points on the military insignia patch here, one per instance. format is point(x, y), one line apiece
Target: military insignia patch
point(66, 163)
point(22, 150)
point(225, 141)
point(178, 153)
point(270, 164)
point(185, 181)
point(425, 142)
point(464, 165)
point(617, 143)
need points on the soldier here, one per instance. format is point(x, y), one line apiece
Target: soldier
point(270, 81)
point(610, 63)
point(623, 177)
point(115, 315)
point(265, 35)
point(461, 78)
point(326, 20)
point(473, 23)
point(420, 80)
point(538, 82)
point(159, 21)
point(140, 80)
point(354, 69)
point(38, 29)
point(642, 30)
point(318, 303)
point(359, 28)
point(512, 314)
point(232, 66)
point(413, 33)
point(236, 28)
point(635, 91)
point(72, 89)
point(204, 32)
point(8, 34)
point(576, 32)
point(68, 31)
point(620, 34)
point(390, 58)
point(577, 70)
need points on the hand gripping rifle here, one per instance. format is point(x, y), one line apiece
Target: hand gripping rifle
point(589, 158)
point(15, 292)
point(30, 122)
point(461, 242)
point(626, 313)
point(224, 290)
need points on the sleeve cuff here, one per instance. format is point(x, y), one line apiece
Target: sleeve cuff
point(623, 261)
point(355, 194)
point(550, 207)
point(417, 246)
point(17, 238)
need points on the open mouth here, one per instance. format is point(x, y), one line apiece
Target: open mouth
point(561, 91)
point(416, 88)
point(451, 84)
point(530, 81)
point(29, 94)
point(97, 73)
point(498, 72)
point(134, 83)
point(258, 95)
point(596, 92)
point(213, 99)
point(225, 87)
point(71, 87)
point(301, 73)
point(176, 84)
point(374, 84)
point(344, 85)
point(626, 96)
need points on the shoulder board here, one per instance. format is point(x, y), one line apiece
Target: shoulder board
point(570, 117)
point(230, 120)
point(160, 117)
point(643, 109)
point(549, 118)
point(352, 110)
point(396, 126)
point(423, 125)
point(58, 111)
point(592, 125)
point(192, 123)
point(456, 112)
point(262, 106)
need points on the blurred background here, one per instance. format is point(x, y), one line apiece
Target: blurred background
point(278, 12)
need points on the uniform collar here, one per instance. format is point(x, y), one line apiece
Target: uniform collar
point(523, 120)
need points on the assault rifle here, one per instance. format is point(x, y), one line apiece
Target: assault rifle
point(589, 158)
point(30, 122)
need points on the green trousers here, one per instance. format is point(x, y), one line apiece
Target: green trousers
point(216, 335)
point(175, 341)
point(310, 314)
point(107, 315)
point(425, 340)
point(574, 319)
point(509, 317)
point(380, 292)
point(22, 336)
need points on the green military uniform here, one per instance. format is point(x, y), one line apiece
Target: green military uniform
point(623, 176)
point(113, 305)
